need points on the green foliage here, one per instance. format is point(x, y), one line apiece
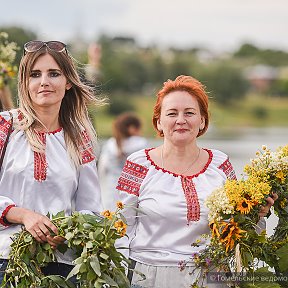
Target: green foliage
point(225, 82)
point(263, 56)
point(92, 240)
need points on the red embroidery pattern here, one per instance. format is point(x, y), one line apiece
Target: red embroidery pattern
point(4, 214)
point(131, 178)
point(86, 149)
point(4, 128)
point(228, 169)
point(193, 206)
point(40, 163)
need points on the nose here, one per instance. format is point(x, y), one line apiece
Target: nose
point(44, 81)
point(181, 119)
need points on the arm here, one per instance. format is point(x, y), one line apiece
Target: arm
point(130, 202)
point(39, 226)
point(129, 186)
point(88, 196)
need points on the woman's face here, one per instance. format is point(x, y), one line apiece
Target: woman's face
point(47, 83)
point(180, 118)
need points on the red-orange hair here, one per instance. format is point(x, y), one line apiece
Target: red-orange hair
point(190, 85)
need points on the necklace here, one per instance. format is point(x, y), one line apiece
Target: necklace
point(189, 167)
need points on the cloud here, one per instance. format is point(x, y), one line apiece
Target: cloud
point(222, 24)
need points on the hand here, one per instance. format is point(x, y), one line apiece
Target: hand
point(54, 241)
point(269, 203)
point(38, 226)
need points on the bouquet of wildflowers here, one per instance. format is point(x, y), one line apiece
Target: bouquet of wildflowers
point(238, 241)
point(7, 57)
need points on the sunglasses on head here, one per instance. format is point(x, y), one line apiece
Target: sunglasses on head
point(36, 45)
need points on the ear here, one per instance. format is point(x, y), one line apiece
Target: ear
point(68, 86)
point(202, 125)
point(159, 126)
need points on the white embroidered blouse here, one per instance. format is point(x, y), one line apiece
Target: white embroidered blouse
point(172, 214)
point(44, 184)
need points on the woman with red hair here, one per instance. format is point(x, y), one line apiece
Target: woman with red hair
point(169, 184)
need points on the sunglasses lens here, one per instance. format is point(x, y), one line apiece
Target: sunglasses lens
point(56, 46)
point(33, 46)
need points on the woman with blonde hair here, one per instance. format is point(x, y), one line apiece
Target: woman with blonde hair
point(49, 164)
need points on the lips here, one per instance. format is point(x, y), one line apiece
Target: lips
point(44, 91)
point(181, 130)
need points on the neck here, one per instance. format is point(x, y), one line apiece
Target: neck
point(187, 157)
point(49, 121)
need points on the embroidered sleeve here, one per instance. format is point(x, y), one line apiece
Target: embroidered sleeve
point(131, 178)
point(228, 169)
point(5, 205)
point(4, 128)
point(86, 148)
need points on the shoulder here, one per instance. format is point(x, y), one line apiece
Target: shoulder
point(139, 157)
point(222, 162)
point(133, 173)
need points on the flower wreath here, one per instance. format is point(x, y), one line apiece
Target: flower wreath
point(239, 246)
point(91, 238)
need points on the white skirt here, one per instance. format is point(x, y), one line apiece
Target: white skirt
point(168, 277)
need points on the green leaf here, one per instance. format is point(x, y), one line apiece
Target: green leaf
point(109, 280)
point(104, 256)
point(94, 263)
point(69, 235)
point(89, 245)
point(74, 271)
point(283, 259)
point(28, 238)
point(62, 248)
point(60, 281)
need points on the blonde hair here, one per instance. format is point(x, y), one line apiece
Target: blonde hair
point(73, 114)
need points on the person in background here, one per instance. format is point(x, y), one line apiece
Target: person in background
point(126, 140)
point(6, 102)
point(169, 184)
point(49, 165)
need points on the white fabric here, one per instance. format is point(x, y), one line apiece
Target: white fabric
point(160, 234)
point(110, 166)
point(65, 188)
point(169, 277)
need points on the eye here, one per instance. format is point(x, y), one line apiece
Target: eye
point(189, 113)
point(171, 114)
point(54, 74)
point(35, 74)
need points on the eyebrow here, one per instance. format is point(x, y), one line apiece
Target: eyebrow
point(49, 70)
point(174, 109)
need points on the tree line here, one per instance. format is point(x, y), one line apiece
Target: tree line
point(128, 69)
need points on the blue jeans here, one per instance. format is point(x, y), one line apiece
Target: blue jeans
point(3, 265)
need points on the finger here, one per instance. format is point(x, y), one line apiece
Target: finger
point(44, 229)
point(51, 226)
point(269, 202)
point(36, 235)
point(56, 240)
point(274, 196)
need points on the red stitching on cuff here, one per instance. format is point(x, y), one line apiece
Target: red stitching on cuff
point(4, 214)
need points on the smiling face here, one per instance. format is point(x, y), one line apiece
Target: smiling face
point(180, 118)
point(47, 83)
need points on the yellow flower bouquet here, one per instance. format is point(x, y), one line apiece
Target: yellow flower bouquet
point(91, 238)
point(7, 57)
point(239, 244)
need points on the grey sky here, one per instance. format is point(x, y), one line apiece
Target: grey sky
point(215, 24)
